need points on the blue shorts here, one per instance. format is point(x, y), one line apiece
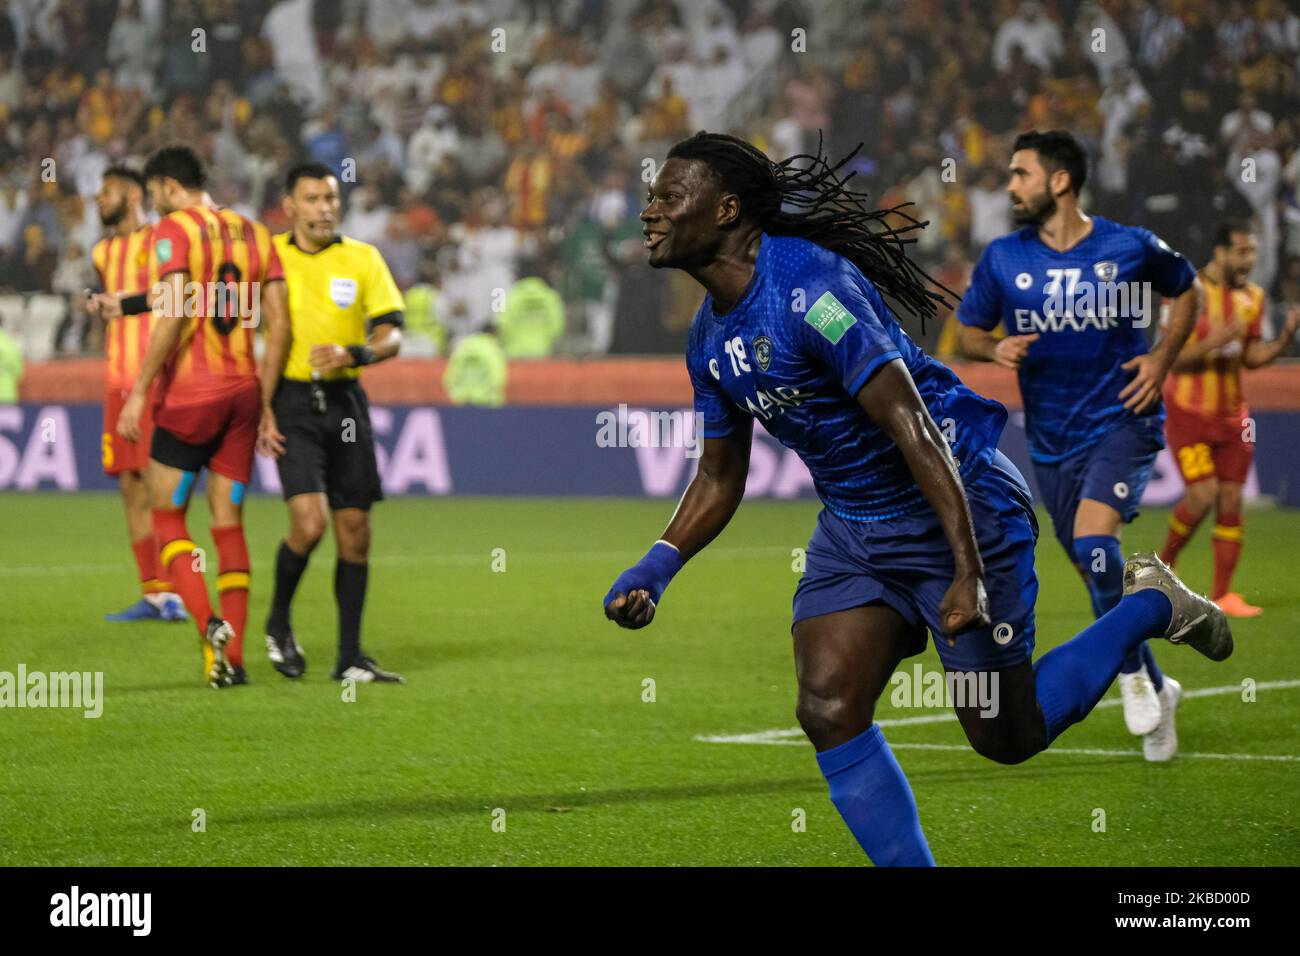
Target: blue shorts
point(1114, 472)
point(906, 564)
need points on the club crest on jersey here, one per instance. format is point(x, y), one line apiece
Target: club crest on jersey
point(1106, 271)
point(763, 352)
point(164, 247)
point(343, 292)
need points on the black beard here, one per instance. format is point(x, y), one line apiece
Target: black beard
point(113, 218)
point(1038, 214)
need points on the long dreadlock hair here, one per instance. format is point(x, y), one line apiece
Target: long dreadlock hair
point(806, 197)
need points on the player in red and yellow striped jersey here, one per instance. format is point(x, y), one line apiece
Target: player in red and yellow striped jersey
point(1207, 420)
point(214, 272)
point(122, 260)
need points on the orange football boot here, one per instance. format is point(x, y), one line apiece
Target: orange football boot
point(1234, 605)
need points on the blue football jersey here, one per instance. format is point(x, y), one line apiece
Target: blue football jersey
point(1089, 306)
point(808, 333)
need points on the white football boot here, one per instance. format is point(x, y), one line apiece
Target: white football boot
point(216, 667)
point(1141, 705)
point(1196, 620)
point(1162, 743)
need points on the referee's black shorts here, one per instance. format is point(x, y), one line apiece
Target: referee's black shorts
point(330, 450)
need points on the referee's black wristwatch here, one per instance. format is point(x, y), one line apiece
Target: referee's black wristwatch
point(361, 355)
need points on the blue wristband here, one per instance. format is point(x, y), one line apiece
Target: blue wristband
point(652, 573)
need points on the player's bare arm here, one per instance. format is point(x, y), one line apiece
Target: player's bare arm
point(1195, 354)
point(714, 493)
point(710, 500)
point(891, 400)
point(1258, 353)
point(279, 335)
point(1143, 391)
point(982, 346)
point(166, 301)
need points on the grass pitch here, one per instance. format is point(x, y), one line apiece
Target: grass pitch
point(521, 698)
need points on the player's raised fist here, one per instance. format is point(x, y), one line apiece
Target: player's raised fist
point(1010, 351)
point(631, 601)
point(632, 611)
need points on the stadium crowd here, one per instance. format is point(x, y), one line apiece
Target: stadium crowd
point(484, 142)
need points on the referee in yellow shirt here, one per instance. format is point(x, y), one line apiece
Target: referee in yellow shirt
point(345, 312)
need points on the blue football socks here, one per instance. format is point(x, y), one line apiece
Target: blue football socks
point(1103, 565)
point(1073, 677)
point(875, 800)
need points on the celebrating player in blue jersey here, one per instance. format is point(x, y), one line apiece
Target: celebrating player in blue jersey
point(922, 526)
point(1075, 293)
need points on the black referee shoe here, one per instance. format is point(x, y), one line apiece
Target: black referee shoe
point(365, 671)
point(285, 654)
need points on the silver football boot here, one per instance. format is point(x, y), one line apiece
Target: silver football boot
point(1196, 620)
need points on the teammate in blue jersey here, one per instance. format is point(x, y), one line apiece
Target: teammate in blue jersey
point(917, 532)
point(1075, 294)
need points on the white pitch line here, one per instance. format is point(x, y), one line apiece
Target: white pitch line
point(1077, 751)
point(794, 735)
point(1098, 752)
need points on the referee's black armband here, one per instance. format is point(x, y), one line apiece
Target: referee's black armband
point(388, 318)
point(361, 355)
point(135, 304)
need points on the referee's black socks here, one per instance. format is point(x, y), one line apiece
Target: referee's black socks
point(350, 593)
point(289, 566)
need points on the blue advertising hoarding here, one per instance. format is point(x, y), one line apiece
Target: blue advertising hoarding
point(549, 450)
